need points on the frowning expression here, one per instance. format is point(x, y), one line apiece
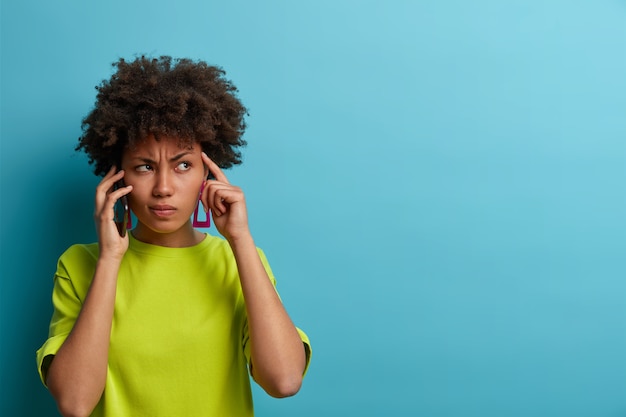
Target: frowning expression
point(166, 179)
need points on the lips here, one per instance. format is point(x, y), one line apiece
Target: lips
point(162, 210)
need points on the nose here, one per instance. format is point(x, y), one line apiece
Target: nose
point(163, 186)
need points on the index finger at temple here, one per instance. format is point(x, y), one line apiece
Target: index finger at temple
point(214, 169)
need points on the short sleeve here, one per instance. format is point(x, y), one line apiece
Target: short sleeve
point(66, 301)
point(307, 349)
point(66, 309)
point(305, 339)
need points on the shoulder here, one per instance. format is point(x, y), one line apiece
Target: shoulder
point(219, 245)
point(81, 252)
point(221, 251)
point(79, 257)
point(215, 242)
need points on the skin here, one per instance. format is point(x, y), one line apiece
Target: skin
point(163, 183)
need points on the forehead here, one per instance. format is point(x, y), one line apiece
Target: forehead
point(164, 145)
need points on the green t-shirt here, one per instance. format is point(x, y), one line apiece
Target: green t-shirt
point(179, 337)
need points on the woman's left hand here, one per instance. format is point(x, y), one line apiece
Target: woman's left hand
point(227, 203)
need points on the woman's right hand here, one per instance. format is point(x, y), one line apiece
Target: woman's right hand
point(111, 243)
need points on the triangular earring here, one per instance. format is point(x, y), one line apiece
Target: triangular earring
point(201, 223)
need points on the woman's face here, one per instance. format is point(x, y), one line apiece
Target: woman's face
point(166, 180)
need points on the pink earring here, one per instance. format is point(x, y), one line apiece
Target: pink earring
point(129, 221)
point(201, 223)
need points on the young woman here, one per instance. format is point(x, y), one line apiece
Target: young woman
point(166, 320)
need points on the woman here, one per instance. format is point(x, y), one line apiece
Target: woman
point(166, 320)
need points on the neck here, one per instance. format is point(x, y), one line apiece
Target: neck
point(184, 237)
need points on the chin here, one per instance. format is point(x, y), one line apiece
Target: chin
point(165, 227)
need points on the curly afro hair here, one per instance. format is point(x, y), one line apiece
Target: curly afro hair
point(164, 97)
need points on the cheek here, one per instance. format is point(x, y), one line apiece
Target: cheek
point(138, 195)
point(133, 201)
point(193, 194)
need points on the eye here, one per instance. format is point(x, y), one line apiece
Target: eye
point(183, 166)
point(143, 168)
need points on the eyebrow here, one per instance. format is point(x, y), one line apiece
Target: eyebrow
point(172, 159)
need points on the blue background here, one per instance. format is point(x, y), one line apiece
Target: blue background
point(439, 186)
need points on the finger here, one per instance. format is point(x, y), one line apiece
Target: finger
point(107, 183)
point(217, 195)
point(108, 208)
point(111, 171)
point(214, 169)
point(222, 197)
point(219, 201)
point(210, 199)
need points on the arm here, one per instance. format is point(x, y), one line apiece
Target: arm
point(277, 352)
point(77, 374)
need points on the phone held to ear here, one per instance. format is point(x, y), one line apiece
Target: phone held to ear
point(122, 212)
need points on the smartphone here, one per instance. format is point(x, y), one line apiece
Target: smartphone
point(122, 212)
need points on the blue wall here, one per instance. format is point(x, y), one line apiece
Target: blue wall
point(439, 186)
